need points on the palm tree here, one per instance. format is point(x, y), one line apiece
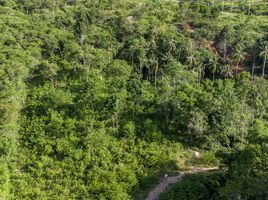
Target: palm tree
point(171, 47)
point(86, 58)
point(154, 62)
point(213, 3)
point(264, 54)
point(142, 60)
point(227, 71)
point(238, 56)
point(213, 62)
point(191, 60)
point(200, 72)
point(192, 55)
point(249, 5)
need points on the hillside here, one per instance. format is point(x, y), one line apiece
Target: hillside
point(99, 99)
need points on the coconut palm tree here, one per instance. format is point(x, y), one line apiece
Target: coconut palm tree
point(192, 55)
point(238, 56)
point(191, 60)
point(264, 54)
point(213, 66)
point(253, 61)
point(171, 47)
point(200, 72)
point(249, 5)
point(227, 71)
point(155, 64)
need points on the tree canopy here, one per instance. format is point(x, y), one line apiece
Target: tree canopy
point(97, 96)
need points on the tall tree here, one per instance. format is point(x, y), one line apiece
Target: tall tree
point(213, 62)
point(191, 60)
point(264, 54)
point(238, 56)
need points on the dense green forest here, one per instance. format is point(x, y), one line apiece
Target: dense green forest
point(99, 97)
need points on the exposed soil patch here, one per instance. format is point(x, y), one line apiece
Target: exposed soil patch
point(210, 46)
point(187, 26)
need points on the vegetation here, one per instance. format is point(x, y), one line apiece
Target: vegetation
point(196, 186)
point(98, 98)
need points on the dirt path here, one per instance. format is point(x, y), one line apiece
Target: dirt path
point(161, 187)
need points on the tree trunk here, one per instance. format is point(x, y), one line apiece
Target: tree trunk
point(155, 75)
point(225, 51)
point(264, 63)
point(113, 119)
point(236, 70)
point(149, 73)
point(53, 6)
point(87, 74)
point(116, 121)
point(242, 135)
point(155, 72)
point(253, 63)
point(199, 78)
point(141, 75)
point(132, 58)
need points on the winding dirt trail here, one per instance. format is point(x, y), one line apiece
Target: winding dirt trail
point(161, 187)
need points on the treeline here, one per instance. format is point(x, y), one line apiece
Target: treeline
point(96, 96)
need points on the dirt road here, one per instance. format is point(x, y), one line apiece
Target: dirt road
point(161, 187)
